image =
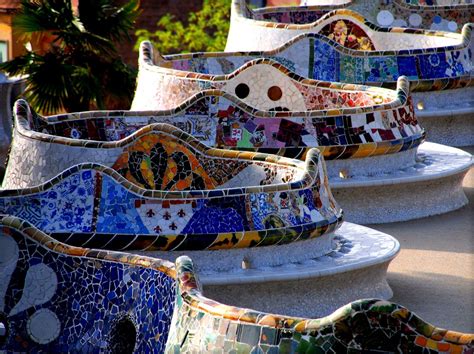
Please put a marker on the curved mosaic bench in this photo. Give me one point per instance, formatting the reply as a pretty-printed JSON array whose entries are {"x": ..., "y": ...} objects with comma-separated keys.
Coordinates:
[
  {"x": 342, "y": 120},
  {"x": 435, "y": 15},
  {"x": 249, "y": 33},
  {"x": 434, "y": 173},
  {"x": 204, "y": 325},
  {"x": 201, "y": 199},
  {"x": 59, "y": 298},
  {"x": 62, "y": 141},
  {"x": 343, "y": 46}
]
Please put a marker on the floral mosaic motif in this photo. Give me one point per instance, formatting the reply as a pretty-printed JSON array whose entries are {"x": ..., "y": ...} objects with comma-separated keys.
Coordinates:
[
  {"x": 156, "y": 162},
  {"x": 200, "y": 198},
  {"x": 57, "y": 298},
  {"x": 204, "y": 325},
  {"x": 444, "y": 15},
  {"x": 348, "y": 34},
  {"x": 67, "y": 207}
]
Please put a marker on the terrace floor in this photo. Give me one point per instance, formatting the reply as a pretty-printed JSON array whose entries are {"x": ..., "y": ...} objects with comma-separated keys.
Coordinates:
[{"x": 433, "y": 275}]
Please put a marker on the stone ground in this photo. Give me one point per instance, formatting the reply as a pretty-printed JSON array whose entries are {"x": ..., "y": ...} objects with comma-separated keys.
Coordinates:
[{"x": 433, "y": 275}]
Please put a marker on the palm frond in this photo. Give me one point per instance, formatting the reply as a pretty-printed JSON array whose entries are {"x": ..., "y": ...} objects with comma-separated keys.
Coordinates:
[
  {"x": 120, "y": 81},
  {"x": 18, "y": 65},
  {"x": 43, "y": 15},
  {"x": 48, "y": 82},
  {"x": 81, "y": 69},
  {"x": 108, "y": 20},
  {"x": 86, "y": 41}
]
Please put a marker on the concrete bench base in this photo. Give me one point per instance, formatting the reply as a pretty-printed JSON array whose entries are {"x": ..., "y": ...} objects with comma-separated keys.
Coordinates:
[
  {"x": 453, "y": 127},
  {"x": 447, "y": 116},
  {"x": 356, "y": 268},
  {"x": 432, "y": 186}
]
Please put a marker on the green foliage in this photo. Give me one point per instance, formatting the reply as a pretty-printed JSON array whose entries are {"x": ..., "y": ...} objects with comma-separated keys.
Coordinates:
[
  {"x": 81, "y": 70},
  {"x": 206, "y": 30}
]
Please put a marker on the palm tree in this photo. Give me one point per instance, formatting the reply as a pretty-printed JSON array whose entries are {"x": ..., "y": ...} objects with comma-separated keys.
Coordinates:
[{"x": 81, "y": 70}]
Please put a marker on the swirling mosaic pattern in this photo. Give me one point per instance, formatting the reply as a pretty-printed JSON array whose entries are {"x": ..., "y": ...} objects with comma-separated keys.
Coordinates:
[
  {"x": 203, "y": 325},
  {"x": 57, "y": 298},
  {"x": 167, "y": 191}
]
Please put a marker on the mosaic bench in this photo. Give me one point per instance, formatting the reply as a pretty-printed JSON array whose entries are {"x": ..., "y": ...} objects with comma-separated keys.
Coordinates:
[
  {"x": 59, "y": 298},
  {"x": 343, "y": 120},
  {"x": 167, "y": 191},
  {"x": 343, "y": 46},
  {"x": 436, "y": 15},
  {"x": 204, "y": 325},
  {"x": 214, "y": 205},
  {"x": 357, "y": 170},
  {"x": 350, "y": 124}
]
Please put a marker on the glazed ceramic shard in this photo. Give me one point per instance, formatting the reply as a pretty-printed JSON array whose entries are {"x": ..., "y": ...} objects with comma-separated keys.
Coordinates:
[
  {"x": 201, "y": 324},
  {"x": 82, "y": 300},
  {"x": 449, "y": 15},
  {"x": 167, "y": 191}
]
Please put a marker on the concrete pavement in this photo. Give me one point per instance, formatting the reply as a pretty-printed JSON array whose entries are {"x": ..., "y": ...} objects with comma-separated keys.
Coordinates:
[{"x": 433, "y": 275}]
